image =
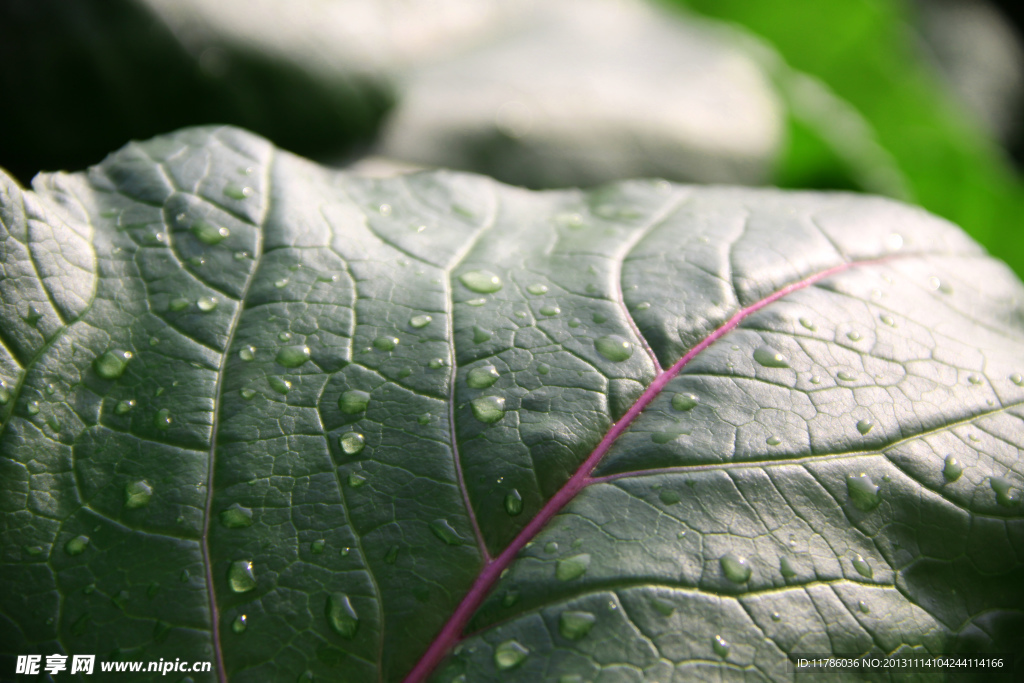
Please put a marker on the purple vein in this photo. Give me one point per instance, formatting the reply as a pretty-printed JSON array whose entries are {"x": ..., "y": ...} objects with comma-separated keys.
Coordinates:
[{"x": 451, "y": 633}]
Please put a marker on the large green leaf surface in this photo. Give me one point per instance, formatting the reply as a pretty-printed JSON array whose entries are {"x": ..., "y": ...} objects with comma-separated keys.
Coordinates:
[{"x": 350, "y": 401}]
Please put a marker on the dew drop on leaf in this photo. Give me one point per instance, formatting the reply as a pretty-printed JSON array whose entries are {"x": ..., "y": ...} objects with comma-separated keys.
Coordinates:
[
  {"x": 720, "y": 646},
  {"x": 684, "y": 402},
  {"x": 241, "y": 578},
  {"x": 668, "y": 496},
  {"x": 280, "y": 385},
  {"x": 207, "y": 233},
  {"x": 1017, "y": 379},
  {"x": 124, "y": 407},
  {"x": 247, "y": 353},
  {"x": 240, "y": 624},
  {"x": 206, "y": 304},
  {"x": 236, "y": 192},
  {"x": 575, "y": 625},
  {"x": 863, "y": 491},
  {"x": 444, "y": 531},
  {"x": 888, "y": 320},
  {"x": 293, "y": 356},
  {"x": 112, "y": 364},
  {"x": 77, "y": 545},
  {"x": 236, "y": 517},
  {"x": 341, "y": 615},
  {"x": 776, "y": 616},
  {"x": 599, "y": 318},
  {"x": 356, "y": 480},
  {"x": 247, "y": 394},
  {"x": 137, "y": 494},
  {"x": 513, "y": 502},
  {"x": 317, "y": 546},
  {"x": 32, "y": 408},
  {"x": 853, "y": 336},
  {"x": 543, "y": 369},
  {"x": 862, "y": 566},
  {"x": 770, "y": 358},
  {"x": 952, "y": 469},
  {"x": 614, "y": 348},
  {"x": 863, "y": 607},
  {"x": 551, "y": 547},
  {"x": 163, "y": 420},
  {"x": 384, "y": 343},
  {"x": 354, "y": 401},
  {"x": 480, "y": 335},
  {"x": 509, "y": 655},
  {"x": 178, "y": 304},
  {"x": 865, "y": 426},
  {"x": 1006, "y": 495},
  {"x": 786, "y": 568},
  {"x": 488, "y": 409},
  {"x": 481, "y": 281},
  {"x": 284, "y": 335},
  {"x": 436, "y": 363},
  {"x": 419, "y": 321},
  {"x": 352, "y": 443},
  {"x": 573, "y": 567},
  {"x": 735, "y": 567},
  {"x": 809, "y": 324},
  {"x": 550, "y": 310},
  {"x": 482, "y": 377},
  {"x": 663, "y": 606},
  {"x": 773, "y": 441},
  {"x": 846, "y": 376}
]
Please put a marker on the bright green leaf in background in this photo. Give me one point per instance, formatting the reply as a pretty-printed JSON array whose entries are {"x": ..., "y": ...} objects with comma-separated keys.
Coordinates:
[{"x": 289, "y": 419}]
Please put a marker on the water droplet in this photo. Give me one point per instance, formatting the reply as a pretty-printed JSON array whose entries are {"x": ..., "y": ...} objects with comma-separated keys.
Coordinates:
[
  {"x": 685, "y": 402},
  {"x": 614, "y": 348},
  {"x": 770, "y": 358},
  {"x": 952, "y": 469},
  {"x": 162, "y": 420},
  {"x": 248, "y": 353},
  {"x": 776, "y": 616},
  {"x": 550, "y": 310},
  {"x": 281, "y": 283},
  {"x": 281, "y": 386},
  {"x": 974, "y": 379},
  {"x": 5, "y": 395},
  {"x": 236, "y": 517},
  {"x": 208, "y": 233},
  {"x": 643, "y": 306},
  {"x": 662, "y": 606},
  {"x": 551, "y": 547},
  {"x": 513, "y": 502},
  {"x": 112, "y": 364},
  {"x": 481, "y": 301},
  {"x": 668, "y": 496},
  {"x": 240, "y": 624},
  {"x": 481, "y": 281},
  {"x": 862, "y": 566},
  {"x": 317, "y": 547},
  {"x": 383, "y": 343},
  {"x": 1006, "y": 495},
  {"x": 392, "y": 555},
  {"x": 32, "y": 408},
  {"x": 482, "y": 377},
  {"x": 510, "y": 654},
  {"x": 865, "y": 426},
  {"x": 436, "y": 363},
  {"x": 863, "y": 491},
  {"x": 488, "y": 409},
  {"x": 720, "y": 646},
  {"x": 352, "y": 443},
  {"x": 863, "y": 607},
  {"x": 241, "y": 577},
  {"x": 241, "y": 255},
  {"x": 137, "y": 494},
  {"x": 480, "y": 335},
  {"x": 735, "y": 567},
  {"x": 773, "y": 441},
  {"x": 32, "y": 316},
  {"x": 293, "y": 356},
  {"x": 341, "y": 615},
  {"x": 806, "y": 322},
  {"x": 77, "y": 545},
  {"x": 33, "y": 550},
  {"x": 888, "y": 320},
  {"x": 184, "y": 576},
  {"x": 207, "y": 303},
  {"x": 124, "y": 407},
  {"x": 444, "y": 531},
  {"x": 356, "y": 480},
  {"x": 284, "y": 336},
  {"x": 575, "y": 625},
  {"x": 510, "y": 598},
  {"x": 179, "y": 304},
  {"x": 572, "y": 567},
  {"x": 247, "y": 394},
  {"x": 236, "y": 192},
  {"x": 353, "y": 401},
  {"x": 599, "y": 318},
  {"x": 384, "y": 209},
  {"x": 854, "y": 335},
  {"x": 419, "y": 321},
  {"x": 786, "y": 568},
  {"x": 846, "y": 376},
  {"x": 537, "y": 289},
  {"x": 543, "y": 369}
]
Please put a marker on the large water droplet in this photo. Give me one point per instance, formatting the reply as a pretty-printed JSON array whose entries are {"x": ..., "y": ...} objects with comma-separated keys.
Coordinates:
[
  {"x": 481, "y": 281},
  {"x": 482, "y": 377},
  {"x": 770, "y": 358},
  {"x": 353, "y": 401},
  {"x": 864, "y": 426},
  {"x": 863, "y": 491},
  {"x": 735, "y": 567},
  {"x": 384, "y": 343},
  {"x": 341, "y": 615},
  {"x": 247, "y": 353},
  {"x": 279, "y": 384},
  {"x": 240, "y": 576},
  {"x": 550, "y": 310},
  {"x": 419, "y": 321},
  {"x": 77, "y": 545},
  {"x": 488, "y": 409},
  {"x": 952, "y": 469},
  {"x": 685, "y": 401},
  {"x": 1006, "y": 495},
  {"x": 352, "y": 442},
  {"x": 240, "y": 623},
  {"x": 537, "y": 289},
  {"x": 112, "y": 364},
  {"x": 575, "y": 625},
  {"x": 513, "y": 502},
  {"x": 614, "y": 348},
  {"x": 293, "y": 356},
  {"x": 163, "y": 420},
  {"x": 480, "y": 335},
  {"x": 444, "y": 531},
  {"x": 236, "y": 517},
  {"x": 207, "y": 303},
  {"x": 208, "y": 233},
  {"x": 510, "y": 654},
  {"x": 862, "y": 566},
  {"x": 1017, "y": 379},
  {"x": 720, "y": 646},
  {"x": 137, "y": 494},
  {"x": 573, "y": 567},
  {"x": 773, "y": 440}
]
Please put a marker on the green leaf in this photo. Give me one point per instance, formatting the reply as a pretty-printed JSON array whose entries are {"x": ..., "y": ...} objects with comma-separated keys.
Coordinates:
[{"x": 667, "y": 430}]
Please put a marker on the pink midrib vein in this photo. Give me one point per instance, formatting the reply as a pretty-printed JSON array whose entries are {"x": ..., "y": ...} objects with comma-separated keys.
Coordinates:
[{"x": 451, "y": 633}]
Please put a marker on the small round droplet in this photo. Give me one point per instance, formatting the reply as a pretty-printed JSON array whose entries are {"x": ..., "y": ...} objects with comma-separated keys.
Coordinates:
[
  {"x": 575, "y": 625},
  {"x": 240, "y": 624},
  {"x": 643, "y": 305},
  {"x": 5, "y": 395},
  {"x": 137, "y": 494},
  {"x": 573, "y": 567},
  {"x": 384, "y": 210},
  {"x": 550, "y": 310},
  {"x": 480, "y": 335},
  {"x": 662, "y": 606},
  {"x": 247, "y": 394},
  {"x": 236, "y": 516},
  {"x": 281, "y": 283},
  {"x": 776, "y": 616},
  {"x": 384, "y": 343},
  {"x": 419, "y": 321},
  {"x": 352, "y": 443},
  {"x": 317, "y": 546},
  {"x": 236, "y": 192},
  {"x": 537, "y": 289},
  {"x": 342, "y": 616},
  {"x": 482, "y": 376},
  {"x": 854, "y": 335},
  {"x": 207, "y": 304},
  {"x": 846, "y": 376},
  {"x": 208, "y": 233},
  {"x": 112, "y": 364},
  {"x": 770, "y": 358},
  {"x": 32, "y": 408},
  {"x": 786, "y": 567},
  {"x": 179, "y": 304},
  {"x": 863, "y": 491},
  {"x": 280, "y": 385},
  {"x": 488, "y": 409},
  {"x": 599, "y": 318},
  {"x": 773, "y": 440},
  {"x": 807, "y": 323},
  {"x": 444, "y": 531},
  {"x": 952, "y": 469},
  {"x": 735, "y": 567},
  {"x": 543, "y": 369},
  {"x": 888, "y": 320},
  {"x": 863, "y": 607},
  {"x": 1006, "y": 495},
  {"x": 354, "y": 401},
  {"x": 974, "y": 378},
  {"x": 614, "y": 348},
  {"x": 684, "y": 402},
  {"x": 481, "y": 281},
  {"x": 551, "y": 547},
  {"x": 864, "y": 426},
  {"x": 510, "y": 654},
  {"x": 481, "y": 301},
  {"x": 284, "y": 335},
  {"x": 293, "y": 356},
  {"x": 669, "y": 496},
  {"x": 1017, "y": 379},
  {"x": 423, "y": 419},
  {"x": 163, "y": 420},
  {"x": 720, "y": 646},
  {"x": 513, "y": 502},
  {"x": 247, "y": 353},
  {"x": 241, "y": 578},
  {"x": 862, "y": 566},
  {"x": 77, "y": 545},
  {"x": 124, "y": 407},
  {"x": 436, "y": 363}
]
